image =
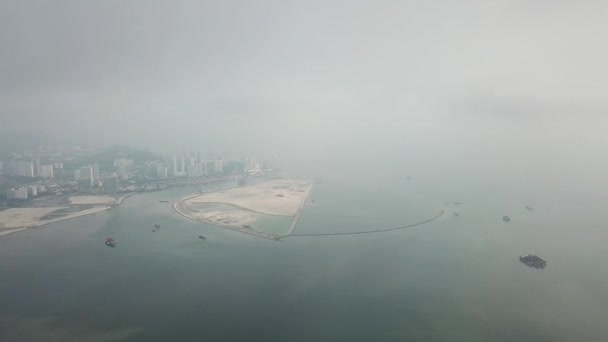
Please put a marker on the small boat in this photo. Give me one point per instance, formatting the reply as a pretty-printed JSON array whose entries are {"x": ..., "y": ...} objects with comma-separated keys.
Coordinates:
[
  {"x": 164, "y": 201},
  {"x": 456, "y": 214},
  {"x": 506, "y": 218},
  {"x": 529, "y": 208},
  {"x": 110, "y": 242},
  {"x": 154, "y": 230},
  {"x": 202, "y": 237},
  {"x": 157, "y": 225}
]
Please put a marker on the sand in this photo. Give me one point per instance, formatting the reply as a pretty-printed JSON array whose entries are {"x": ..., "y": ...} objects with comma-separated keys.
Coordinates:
[
  {"x": 279, "y": 197},
  {"x": 16, "y": 219},
  {"x": 93, "y": 200},
  {"x": 240, "y": 208},
  {"x": 24, "y": 217}
]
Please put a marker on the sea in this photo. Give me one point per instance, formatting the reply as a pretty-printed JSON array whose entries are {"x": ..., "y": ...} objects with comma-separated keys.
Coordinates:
[{"x": 457, "y": 278}]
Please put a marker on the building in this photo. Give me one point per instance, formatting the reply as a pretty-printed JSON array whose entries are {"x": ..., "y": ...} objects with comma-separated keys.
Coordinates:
[
  {"x": 17, "y": 194},
  {"x": 201, "y": 169},
  {"x": 96, "y": 171},
  {"x": 162, "y": 172},
  {"x": 1, "y": 168},
  {"x": 218, "y": 166},
  {"x": 121, "y": 168},
  {"x": 20, "y": 168},
  {"x": 85, "y": 185},
  {"x": 191, "y": 170},
  {"x": 210, "y": 167},
  {"x": 268, "y": 164},
  {"x": 110, "y": 184},
  {"x": 36, "y": 167},
  {"x": 32, "y": 190},
  {"x": 46, "y": 171}
]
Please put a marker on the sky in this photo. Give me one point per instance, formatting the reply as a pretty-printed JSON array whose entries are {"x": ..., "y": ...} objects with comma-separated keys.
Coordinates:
[{"x": 309, "y": 78}]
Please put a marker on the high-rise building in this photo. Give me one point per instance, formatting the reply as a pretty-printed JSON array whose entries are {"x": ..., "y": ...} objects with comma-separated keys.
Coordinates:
[
  {"x": 95, "y": 171},
  {"x": 110, "y": 184},
  {"x": 1, "y": 168},
  {"x": 162, "y": 172},
  {"x": 191, "y": 170},
  {"x": 37, "y": 167},
  {"x": 20, "y": 168},
  {"x": 210, "y": 167},
  {"x": 268, "y": 164},
  {"x": 85, "y": 185},
  {"x": 219, "y": 166},
  {"x": 121, "y": 168},
  {"x": 87, "y": 172},
  {"x": 17, "y": 194},
  {"x": 46, "y": 171},
  {"x": 32, "y": 190},
  {"x": 201, "y": 169}
]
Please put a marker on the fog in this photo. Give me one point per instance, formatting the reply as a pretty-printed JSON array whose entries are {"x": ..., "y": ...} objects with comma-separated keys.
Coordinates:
[{"x": 324, "y": 79}]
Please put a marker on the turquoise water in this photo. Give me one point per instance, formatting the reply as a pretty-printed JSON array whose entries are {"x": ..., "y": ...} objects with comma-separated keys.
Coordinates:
[{"x": 455, "y": 279}]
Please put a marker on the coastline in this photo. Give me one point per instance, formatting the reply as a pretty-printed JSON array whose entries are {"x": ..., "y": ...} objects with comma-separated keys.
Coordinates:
[{"x": 85, "y": 212}]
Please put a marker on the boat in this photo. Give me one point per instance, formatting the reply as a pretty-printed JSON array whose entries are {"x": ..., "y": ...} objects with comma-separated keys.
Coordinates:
[
  {"x": 202, "y": 237},
  {"x": 110, "y": 242},
  {"x": 533, "y": 261},
  {"x": 529, "y": 208},
  {"x": 157, "y": 225},
  {"x": 456, "y": 214},
  {"x": 164, "y": 201},
  {"x": 506, "y": 218}
]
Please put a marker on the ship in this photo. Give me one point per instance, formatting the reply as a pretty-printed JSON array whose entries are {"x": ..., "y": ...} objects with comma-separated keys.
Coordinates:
[
  {"x": 529, "y": 208},
  {"x": 110, "y": 242},
  {"x": 506, "y": 218},
  {"x": 533, "y": 261},
  {"x": 164, "y": 201},
  {"x": 157, "y": 225},
  {"x": 202, "y": 237}
]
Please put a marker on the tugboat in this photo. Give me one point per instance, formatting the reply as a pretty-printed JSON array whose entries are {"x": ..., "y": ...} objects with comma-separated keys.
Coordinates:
[
  {"x": 506, "y": 218},
  {"x": 202, "y": 237},
  {"x": 533, "y": 261},
  {"x": 110, "y": 242}
]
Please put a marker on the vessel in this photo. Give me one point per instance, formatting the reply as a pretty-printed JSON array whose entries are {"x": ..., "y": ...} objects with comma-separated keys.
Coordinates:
[
  {"x": 202, "y": 237},
  {"x": 533, "y": 261},
  {"x": 110, "y": 242},
  {"x": 506, "y": 218}
]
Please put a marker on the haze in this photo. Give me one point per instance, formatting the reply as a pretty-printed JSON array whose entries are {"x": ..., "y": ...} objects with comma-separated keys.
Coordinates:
[{"x": 308, "y": 78}]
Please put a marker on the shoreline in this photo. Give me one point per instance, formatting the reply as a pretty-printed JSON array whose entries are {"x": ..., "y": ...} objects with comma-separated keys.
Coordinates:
[{"x": 85, "y": 212}]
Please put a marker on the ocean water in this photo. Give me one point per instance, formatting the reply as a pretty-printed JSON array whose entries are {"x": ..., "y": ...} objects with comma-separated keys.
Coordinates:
[{"x": 453, "y": 279}]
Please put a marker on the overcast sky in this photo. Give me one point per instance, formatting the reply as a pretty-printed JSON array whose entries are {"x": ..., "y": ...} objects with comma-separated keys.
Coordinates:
[{"x": 310, "y": 77}]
